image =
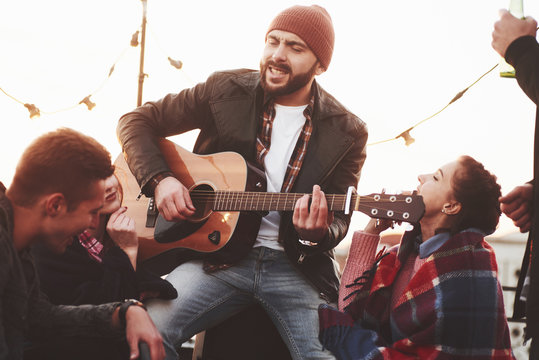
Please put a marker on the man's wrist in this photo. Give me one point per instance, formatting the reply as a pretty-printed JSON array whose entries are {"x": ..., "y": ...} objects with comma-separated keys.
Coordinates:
[
  {"x": 518, "y": 47},
  {"x": 124, "y": 306},
  {"x": 155, "y": 180}
]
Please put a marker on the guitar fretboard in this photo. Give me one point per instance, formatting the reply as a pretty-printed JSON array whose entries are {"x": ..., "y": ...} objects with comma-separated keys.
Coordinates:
[
  {"x": 387, "y": 206},
  {"x": 254, "y": 201}
]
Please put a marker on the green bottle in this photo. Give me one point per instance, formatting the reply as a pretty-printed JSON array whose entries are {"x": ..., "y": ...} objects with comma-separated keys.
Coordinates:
[{"x": 517, "y": 10}]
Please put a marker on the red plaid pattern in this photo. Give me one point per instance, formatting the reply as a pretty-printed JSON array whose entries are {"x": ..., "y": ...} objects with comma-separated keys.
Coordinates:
[
  {"x": 92, "y": 245},
  {"x": 263, "y": 143}
]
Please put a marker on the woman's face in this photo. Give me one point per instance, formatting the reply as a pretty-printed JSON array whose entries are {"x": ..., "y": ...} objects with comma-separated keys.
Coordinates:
[
  {"x": 436, "y": 187},
  {"x": 112, "y": 195}
]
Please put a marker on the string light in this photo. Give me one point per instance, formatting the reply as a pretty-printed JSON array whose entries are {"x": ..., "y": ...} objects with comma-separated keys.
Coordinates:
[
  {"x": 36, "y": 112},
  {"x": 134, "y": 42},
  {"x": 134, "y": 39},
  {"x": 408, "y": 139},
  {"x": 86, "y": 101},
  {"x": 33, "y": 110},
  {"x": 176, "y": 63},
  {"x": 405, "y": 135}
]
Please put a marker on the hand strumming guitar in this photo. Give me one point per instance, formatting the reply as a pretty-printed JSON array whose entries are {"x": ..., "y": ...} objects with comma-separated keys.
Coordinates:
[
  {"x": 172, "y": 199},
  {"x": 312, "y": 224}
]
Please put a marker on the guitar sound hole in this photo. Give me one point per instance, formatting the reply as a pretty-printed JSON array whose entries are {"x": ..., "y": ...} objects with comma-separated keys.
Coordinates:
[{"x": 202, "y": 197}]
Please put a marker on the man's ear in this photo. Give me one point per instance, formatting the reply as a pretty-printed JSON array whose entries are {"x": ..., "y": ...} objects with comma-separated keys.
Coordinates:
[
  {"x": 319, "y": 69},
  {"x": 55, "y": 204},
  {"x": 452, "y": 208}
]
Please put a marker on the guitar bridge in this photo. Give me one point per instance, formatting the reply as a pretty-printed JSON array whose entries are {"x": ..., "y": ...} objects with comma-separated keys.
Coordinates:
[{"x": 151, "y": 214}]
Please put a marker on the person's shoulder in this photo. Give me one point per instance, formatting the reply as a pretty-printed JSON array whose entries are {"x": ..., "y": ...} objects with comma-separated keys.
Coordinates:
[
  {"x": 5, "y": 218},
  {"x": 332, "y": 107},
  {"x": 241, "y": 75},
  {"x": 228, "y": 84},
  {"x": 6, "y": 241}
]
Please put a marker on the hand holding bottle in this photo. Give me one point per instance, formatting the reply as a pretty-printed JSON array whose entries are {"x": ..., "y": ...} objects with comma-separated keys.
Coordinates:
[{"x": 510, "y": 28}]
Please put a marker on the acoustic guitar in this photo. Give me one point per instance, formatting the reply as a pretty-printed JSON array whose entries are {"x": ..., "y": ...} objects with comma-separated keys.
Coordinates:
[{"x": 230, "y": 200}]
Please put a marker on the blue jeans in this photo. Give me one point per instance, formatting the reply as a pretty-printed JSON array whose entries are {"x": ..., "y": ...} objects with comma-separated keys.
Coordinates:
[{"x": 266, "y": 277}]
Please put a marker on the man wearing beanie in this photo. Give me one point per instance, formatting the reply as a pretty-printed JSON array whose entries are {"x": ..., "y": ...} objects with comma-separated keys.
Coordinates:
[{"x": 283, "y": 122}]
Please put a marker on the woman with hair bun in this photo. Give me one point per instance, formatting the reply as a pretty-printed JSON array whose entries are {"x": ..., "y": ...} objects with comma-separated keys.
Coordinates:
[{"x": 436, "y": 295}]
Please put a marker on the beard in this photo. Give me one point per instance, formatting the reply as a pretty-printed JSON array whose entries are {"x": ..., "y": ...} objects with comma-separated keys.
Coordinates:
[{"x": 294, "y": 83}]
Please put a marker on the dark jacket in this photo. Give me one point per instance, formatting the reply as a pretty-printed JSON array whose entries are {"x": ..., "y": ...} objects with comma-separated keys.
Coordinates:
[
  {"x": 227, "y": 109},
  {"x": 24, "y": 310},
  {"x": 523, "y": 54},
  {"x": 73, "y": 278}
]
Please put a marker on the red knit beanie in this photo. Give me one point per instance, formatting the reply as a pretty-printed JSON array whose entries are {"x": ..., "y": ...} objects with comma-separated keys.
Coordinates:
[{"x": 313, "y": 25}]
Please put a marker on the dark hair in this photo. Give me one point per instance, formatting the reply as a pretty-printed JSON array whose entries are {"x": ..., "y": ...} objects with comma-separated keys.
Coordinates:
[
  {"x": 478, "y": 192},
  {"x": 63, "y": 161}
]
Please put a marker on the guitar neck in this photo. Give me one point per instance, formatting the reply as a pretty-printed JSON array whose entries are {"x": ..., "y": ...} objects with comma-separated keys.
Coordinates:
[
  {"x": 256, "y": 201},
  {"x": 400, "y": 207}
]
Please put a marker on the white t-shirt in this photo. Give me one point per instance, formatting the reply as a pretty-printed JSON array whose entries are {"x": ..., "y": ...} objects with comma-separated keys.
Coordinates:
[{"x": 287, "y": 126}]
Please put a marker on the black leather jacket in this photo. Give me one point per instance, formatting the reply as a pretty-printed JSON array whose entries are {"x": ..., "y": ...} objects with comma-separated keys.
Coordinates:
[{"x": 227, "y": 109}]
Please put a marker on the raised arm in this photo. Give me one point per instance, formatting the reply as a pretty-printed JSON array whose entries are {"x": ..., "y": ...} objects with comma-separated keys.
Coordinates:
[
  {"x": 361, "y": 257},
  {"x": 140, "y": 129},
  {"x": 515, "y": 39}
]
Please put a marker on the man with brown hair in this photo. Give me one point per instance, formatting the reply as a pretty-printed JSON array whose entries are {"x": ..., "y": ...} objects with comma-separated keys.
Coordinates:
[
  {"x": 56, "y": 193},
  {"x": 305, "y": 140}
]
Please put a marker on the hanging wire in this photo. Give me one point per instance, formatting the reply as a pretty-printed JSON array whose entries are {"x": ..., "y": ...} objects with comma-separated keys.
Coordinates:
[
  {"x": 173, "y": 62},
  {"x": 36, "y": 112},
  {"x": 12, "y": 97},
  {"x": 32, "y": 109},
  {"x": 408, "y": 139}
]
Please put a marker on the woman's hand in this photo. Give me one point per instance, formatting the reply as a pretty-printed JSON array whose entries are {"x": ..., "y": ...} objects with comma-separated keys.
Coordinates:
[
  {"x": 377, "y": 226},
  {"x": 121, "y": 229}
]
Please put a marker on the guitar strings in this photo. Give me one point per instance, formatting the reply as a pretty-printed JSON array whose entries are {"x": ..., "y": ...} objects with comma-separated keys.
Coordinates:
[
  {"x": 236, "y": 192},
  {"x": 212, "y": 195},
  {"x": 281, "y": 200}
]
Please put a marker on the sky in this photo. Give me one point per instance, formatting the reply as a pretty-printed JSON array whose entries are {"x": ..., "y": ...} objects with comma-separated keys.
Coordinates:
[{"x": 395, "y": 63}]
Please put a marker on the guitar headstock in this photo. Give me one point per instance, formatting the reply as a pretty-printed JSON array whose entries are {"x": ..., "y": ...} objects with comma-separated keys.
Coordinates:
[{"x": 398, "y": 207}]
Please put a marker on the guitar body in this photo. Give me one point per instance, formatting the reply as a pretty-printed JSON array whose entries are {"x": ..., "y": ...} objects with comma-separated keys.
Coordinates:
[{"x": 225, "y": 235}]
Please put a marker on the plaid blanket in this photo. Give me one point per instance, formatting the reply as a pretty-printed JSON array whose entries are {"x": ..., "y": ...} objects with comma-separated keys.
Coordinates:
[{"x": 451, "y": 309}]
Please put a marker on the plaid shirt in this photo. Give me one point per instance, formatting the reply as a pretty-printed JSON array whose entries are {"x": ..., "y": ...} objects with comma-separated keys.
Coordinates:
[
  {"x": 451, "y": 309},
  {"x": 92, "y": 245},
  {"x": 263, "y": 142}
]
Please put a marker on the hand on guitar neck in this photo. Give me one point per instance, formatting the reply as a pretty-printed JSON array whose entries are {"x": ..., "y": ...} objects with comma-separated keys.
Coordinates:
[
  {"x": 173, "y": 200},
  {"x": 312, "y": 223}
]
